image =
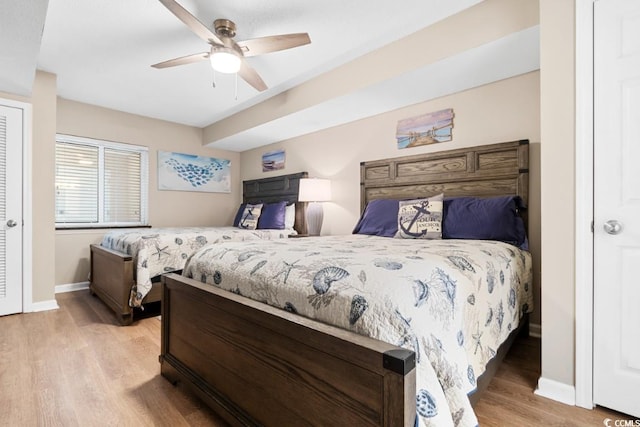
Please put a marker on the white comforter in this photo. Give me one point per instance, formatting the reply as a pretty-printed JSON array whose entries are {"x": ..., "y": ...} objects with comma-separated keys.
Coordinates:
[{"x": 157, "y": 251}]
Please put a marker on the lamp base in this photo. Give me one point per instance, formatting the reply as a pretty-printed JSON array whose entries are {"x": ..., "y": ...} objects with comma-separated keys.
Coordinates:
[{"x": 315, "y": 215}]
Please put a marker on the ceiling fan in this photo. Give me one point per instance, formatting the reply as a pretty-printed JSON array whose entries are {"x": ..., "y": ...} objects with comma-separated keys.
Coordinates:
[{"x": 227, "y": 55}]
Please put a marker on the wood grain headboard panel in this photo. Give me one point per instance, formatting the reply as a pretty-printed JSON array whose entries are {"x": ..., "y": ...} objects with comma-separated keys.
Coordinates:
[
  {"x": 276, "y": 189},
  {"x": 483, "y": 171}
]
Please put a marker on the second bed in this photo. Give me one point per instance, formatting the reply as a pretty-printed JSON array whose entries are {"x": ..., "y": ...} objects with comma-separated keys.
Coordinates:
[{"x": 127, "y": 266}]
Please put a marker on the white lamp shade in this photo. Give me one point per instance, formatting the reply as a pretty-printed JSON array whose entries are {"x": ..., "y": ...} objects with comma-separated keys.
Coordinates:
[
  {"x": 224, "y": 59},
  {"x": 314, "y": 190}
]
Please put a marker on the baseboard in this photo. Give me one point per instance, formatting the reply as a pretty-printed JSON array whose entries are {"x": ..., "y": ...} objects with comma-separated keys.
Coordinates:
[
  {"x": 557, "y": 391},
  {"x": 535, "y": 330},
  {"x": 72, "y": 287},
  {"x": 43, "y": 306}
]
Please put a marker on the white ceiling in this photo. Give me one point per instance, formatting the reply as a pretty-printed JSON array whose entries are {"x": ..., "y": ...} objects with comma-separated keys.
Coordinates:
[
  {"x": 21, "y": 24},
  {"x": 101, "y": 52}
]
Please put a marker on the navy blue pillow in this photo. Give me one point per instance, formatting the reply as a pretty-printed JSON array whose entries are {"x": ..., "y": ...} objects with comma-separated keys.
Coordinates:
[
  {"x": 236, "y": 221},
  {"x": 493, "y": 218},
  {"x": 272, "y": 216},
  {"x": 380, "y": 218}
]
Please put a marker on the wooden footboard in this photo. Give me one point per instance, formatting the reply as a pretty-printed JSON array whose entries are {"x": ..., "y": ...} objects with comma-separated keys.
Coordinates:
[
  {"x": 112, "y": 276},
  {"x": 258, "y": 365},
  {"x": 111, "y": 280}
]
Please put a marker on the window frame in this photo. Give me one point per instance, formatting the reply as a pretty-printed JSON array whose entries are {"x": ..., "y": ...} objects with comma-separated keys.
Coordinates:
[{"x": 144, "y": 182}]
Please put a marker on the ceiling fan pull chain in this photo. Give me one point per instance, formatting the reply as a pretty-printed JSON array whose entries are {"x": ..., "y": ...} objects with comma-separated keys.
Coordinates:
[
  {"x": 214, "y": 79},
  {"x": 236, "y": 92}
]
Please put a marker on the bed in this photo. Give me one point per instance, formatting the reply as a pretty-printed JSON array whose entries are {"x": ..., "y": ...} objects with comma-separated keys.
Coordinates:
[
  {"x": 127, "y": 265},
  {"x": 261, "y": 364}
]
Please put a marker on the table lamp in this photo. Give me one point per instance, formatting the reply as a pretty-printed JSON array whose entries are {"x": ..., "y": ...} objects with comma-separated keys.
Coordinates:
[{"x": 315, "y": 191}]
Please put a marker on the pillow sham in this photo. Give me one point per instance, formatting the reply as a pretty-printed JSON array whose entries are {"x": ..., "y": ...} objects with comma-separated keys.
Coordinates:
[
  {"x": 380, "y": 218},
  {"x": 493, "y": 218},
  {"x": 250, "y": 216},
  {"x": 272, "y": 216},
  {"x": 290, "y": 216},
  {"x": 236, "y": 220},
  {"x": 420, "y": 218}
]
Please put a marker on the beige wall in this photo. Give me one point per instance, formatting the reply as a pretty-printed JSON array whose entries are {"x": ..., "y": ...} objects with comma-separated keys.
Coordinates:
[
  {"x": 43, "y": 101},
  {"x": 504, "y": 111},
  {"x": 5, "y": 95},
  {"x": 43, "y": 129},
  {"x": 166, "y": 208},
  {"x": 557, "y": 121}
]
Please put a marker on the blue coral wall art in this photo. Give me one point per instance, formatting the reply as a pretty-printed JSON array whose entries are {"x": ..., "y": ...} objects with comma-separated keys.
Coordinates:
[{"x": 187, "y": 172}]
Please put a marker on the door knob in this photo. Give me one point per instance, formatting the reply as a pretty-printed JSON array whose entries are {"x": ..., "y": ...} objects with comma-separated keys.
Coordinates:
[
  {"x": 612, "y": 227},
  {"x": 11, "y": 223}
]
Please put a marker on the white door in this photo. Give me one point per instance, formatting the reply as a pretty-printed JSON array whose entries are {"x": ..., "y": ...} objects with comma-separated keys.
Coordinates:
[
  {"x": 617, "y": 205},
  {"x": 11, "y": 142}
]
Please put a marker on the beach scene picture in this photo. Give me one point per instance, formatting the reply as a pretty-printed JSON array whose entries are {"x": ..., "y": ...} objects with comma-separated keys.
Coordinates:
[
  {"x": 188, "y": 172},
  {"x": 425, "y": 129},
  {"x": 273, "y": 161}
]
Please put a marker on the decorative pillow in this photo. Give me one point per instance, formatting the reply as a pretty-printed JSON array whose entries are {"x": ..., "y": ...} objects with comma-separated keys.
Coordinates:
[
  {"x": 250, "y": 215},
  {"x": 236, "y": 220},
  {"x": 493, "y": 218},
  {"x": 290, "y": 216},
  {"x": 272, "y": 216},
  {"x": 380, "y": 218},
  {"x": 420, "y": 218}
]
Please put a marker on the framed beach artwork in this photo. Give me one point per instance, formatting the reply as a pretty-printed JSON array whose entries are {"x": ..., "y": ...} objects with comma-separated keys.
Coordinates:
[
  {"x": 273, "y": 161},
  {"x": 425, "y": 129},
  {"x": 187, "y": 172}
]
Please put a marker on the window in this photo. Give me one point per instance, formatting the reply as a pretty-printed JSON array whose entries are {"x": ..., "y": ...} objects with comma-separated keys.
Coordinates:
[{"x": 100, "y": 183}]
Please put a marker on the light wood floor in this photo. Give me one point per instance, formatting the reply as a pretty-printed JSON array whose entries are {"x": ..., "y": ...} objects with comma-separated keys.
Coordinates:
[{"x": 76, "y": 367}]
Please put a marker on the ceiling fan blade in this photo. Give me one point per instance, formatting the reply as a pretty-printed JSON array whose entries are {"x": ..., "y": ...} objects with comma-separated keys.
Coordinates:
[
  {"x": 251, "y": 76},
  {"x": 191, "y": 21},
  {"x": 269, "y": 44},
  {"x": 189, "y": 59}
]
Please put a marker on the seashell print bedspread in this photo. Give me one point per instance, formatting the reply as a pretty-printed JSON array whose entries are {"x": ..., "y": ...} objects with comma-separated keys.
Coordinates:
[
  {"x": 157, "y": 251},
  {"x": 451, "y": 301}
]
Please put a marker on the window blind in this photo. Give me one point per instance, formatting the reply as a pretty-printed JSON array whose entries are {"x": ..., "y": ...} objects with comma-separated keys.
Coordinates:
[
  {"x": 100, "y": 183},
  {"x": 76, "y": 183},
  {"x": 122, "y": 184}
]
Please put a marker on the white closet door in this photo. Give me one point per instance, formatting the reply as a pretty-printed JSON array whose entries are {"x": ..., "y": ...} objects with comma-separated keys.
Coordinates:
[
  {"x": 11, "y": 142},
  {"x": 617, "y": 205}
]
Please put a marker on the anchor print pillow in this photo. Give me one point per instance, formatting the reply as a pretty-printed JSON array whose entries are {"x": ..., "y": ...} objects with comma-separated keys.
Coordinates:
[
  {"x": 249, "y": 218},
  {"x": 420, "y": 218},
  {"x": 239, "y": 212}
]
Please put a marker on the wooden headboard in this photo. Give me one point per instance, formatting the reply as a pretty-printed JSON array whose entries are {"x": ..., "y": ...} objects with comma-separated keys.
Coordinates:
[
  {"x": 276, "y": 189},
  {"x": 482, "y": 171}
]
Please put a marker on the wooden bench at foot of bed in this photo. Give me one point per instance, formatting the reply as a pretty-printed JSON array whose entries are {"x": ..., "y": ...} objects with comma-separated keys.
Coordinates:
[
  {"x": 259, "y": 365},
  {"x": 112, "y": 276}
]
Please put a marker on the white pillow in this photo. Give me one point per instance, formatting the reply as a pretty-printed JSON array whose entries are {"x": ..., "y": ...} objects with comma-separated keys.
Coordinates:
[{"x": 289, "y": 216}]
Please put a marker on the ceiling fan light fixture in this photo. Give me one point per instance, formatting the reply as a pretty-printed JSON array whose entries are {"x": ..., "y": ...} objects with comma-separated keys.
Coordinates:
[{"x": 224, "y": 60}]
